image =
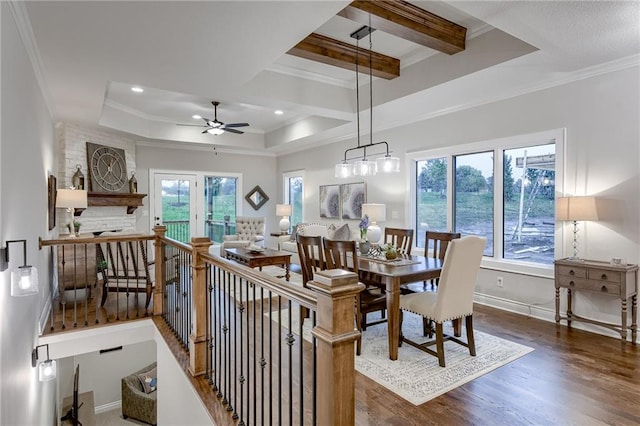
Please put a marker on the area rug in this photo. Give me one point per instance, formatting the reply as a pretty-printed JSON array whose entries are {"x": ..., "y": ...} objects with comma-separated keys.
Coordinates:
[{"x": 416, "y": 375}]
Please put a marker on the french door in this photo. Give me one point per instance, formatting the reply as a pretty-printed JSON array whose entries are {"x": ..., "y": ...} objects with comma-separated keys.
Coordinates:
[{"x": 175, "y": 205}]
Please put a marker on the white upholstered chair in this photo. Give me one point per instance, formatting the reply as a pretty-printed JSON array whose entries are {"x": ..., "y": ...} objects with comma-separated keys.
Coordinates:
[
  {"x": 249, "y": 230},
  {"x": 454, "y": 298}
]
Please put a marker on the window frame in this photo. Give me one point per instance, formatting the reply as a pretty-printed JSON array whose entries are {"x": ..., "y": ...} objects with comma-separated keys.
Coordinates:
[
  {"x": 286, "y": 177},
  {"x": 497, "y": 146}
]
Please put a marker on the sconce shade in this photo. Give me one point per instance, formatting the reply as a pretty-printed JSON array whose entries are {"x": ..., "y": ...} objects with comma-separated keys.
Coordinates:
[
  {"x": 576, "y": 208},
  {"x": 283, "y": 209},
  {"x": 364, "y": 167},
  {"x": 343, "y": 170},
  {"x": 376, "y": 212},
  {"x": 24, "y": 281},
  {"x": 71, "y": 198},
  {"x": 47, "y": 370}
]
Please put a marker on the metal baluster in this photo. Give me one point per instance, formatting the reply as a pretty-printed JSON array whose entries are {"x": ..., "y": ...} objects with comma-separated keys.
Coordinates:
[
  {"x": 234, "y": 330},
  {"x": 263, "y": 363},
  {"x": 75, "y": 285},
  {"x": 270, "y": 357},
  {"x": 87, "y": 287},
  {"x": 279, "y": 360},
  {"x": 314, "y": 369},
  {"x": 300, "y": 326},
  {"x": 225, "y": 330},
  {"x": 207, "y": 325},
  {"x": 290, "y": 342}
]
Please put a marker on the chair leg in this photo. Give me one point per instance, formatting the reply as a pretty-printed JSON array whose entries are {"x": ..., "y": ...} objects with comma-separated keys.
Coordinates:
[
  {"x": 457, "y": 327},
  {"x": 470, "y": 338},
  {"x": 426, "y": 327},
  {"x": 400, "y": 327},
  {"x": 440, "y": 343}
]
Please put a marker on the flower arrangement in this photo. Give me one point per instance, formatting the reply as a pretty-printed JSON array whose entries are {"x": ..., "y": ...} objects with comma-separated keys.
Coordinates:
[
  {"x": 74, "y": 227},
  {"x": 364, "y": 226}
]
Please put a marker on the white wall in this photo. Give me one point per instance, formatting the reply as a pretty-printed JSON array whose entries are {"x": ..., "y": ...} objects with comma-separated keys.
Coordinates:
[
  {"x": 602, "y": 159},
  {"x": 27, "y": 157}
]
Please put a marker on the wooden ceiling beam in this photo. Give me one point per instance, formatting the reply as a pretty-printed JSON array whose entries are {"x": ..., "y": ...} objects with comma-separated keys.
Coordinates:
[
  {"x": 409, "y": 22},
  {"x": 330, "y": 51}
]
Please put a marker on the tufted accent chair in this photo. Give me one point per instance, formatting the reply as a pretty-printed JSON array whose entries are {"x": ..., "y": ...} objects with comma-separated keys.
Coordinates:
[{"x": 249, "y": 230}]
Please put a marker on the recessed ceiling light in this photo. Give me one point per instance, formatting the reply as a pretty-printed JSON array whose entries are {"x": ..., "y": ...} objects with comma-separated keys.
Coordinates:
[
  {"x": 196, "y": 117},
  {"x": 278, "y": 112},
  {"x": 137, "y": 89}
]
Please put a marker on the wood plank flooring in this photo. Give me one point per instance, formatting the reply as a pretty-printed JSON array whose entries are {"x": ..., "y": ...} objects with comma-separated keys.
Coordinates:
[{"x": 571, "y": 378}]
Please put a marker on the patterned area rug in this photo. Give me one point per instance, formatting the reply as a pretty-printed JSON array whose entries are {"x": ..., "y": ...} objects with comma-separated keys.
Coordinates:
[{"x": 416, "y": 375}]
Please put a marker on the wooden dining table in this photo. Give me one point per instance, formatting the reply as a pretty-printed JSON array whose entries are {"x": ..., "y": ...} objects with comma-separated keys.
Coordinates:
[{"x": 408, "y": 269}]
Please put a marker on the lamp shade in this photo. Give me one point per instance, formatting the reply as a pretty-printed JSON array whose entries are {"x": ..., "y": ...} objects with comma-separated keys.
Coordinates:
[
  {"x": 71, "y": 198},
  {"x": 376, "y": 212},
  {"x": 576, "y": 208},
  {"x": 388, "y": 164},
  {"x": 47, "y": 370},
  {"x": 283, "y": 209}
]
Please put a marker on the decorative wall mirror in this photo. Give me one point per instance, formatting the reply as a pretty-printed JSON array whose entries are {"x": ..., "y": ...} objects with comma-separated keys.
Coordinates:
[{"x": 256, "y": 197}]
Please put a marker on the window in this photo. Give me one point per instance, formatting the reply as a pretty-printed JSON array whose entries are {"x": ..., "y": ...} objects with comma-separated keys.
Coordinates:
[
  {"x": 294, "y": 194},
  {"x": 503, "y": 190}
]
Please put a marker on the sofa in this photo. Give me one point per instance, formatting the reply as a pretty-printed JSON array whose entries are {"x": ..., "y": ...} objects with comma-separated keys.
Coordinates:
[
  {"x": 334, "y": 231},
  {"x": 138, "y": 403}
]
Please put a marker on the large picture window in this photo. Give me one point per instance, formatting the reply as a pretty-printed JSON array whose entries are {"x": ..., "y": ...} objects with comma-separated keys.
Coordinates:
[{"x": 503, "y": 190}]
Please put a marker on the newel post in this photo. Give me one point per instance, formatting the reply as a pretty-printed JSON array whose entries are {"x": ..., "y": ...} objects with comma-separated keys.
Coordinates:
[
  {"x": 335, "y": 333},
  {"x": 160, "y": 270},
  {"x": 197, "y": 338}
]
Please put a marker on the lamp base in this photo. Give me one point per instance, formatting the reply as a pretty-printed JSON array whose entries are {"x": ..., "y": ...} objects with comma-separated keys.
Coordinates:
[
  {"x": 374, "y": 233},
  {"x": 284, "y": 224}
]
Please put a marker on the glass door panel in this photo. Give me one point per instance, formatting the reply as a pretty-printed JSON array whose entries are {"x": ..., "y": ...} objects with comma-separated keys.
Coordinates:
[{"x": 175, "y": 205}]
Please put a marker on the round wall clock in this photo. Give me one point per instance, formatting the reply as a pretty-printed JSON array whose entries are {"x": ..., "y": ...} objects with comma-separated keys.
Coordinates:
[{"x": 107, "y": 168}]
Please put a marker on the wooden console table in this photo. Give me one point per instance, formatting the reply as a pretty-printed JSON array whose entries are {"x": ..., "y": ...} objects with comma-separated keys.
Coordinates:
[{"x": 620, "y": 281}]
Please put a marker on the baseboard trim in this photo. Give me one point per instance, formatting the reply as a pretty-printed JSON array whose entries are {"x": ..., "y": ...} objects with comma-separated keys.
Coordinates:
[
  {"x": 108, "y": 407},
  {"x": 538, "y": 312}
]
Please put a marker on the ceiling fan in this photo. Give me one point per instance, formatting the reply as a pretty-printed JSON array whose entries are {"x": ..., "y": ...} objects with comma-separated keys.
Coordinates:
[{"x": 216, "y": 127}]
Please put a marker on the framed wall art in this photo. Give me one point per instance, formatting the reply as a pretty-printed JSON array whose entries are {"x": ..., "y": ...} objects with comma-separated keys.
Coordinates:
[
  {"x": 52, "y": 192},
  {"x": 352, "y": 197},
  {"x": 330, "y": 201}
]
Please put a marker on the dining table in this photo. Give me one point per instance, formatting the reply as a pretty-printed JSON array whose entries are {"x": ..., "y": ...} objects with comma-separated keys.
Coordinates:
[{"x": 393, "y": 274}]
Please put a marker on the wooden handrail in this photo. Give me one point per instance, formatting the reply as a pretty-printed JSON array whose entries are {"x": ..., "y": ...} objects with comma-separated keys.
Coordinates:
[{"x": 97, "y": 240}]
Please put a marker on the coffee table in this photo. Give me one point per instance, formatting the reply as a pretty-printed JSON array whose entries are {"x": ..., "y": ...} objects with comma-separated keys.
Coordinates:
[{"x": 268, "y": 257}]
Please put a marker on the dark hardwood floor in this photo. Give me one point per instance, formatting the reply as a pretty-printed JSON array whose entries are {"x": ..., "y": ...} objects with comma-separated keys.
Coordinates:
[{"x": 571, "y": 378}]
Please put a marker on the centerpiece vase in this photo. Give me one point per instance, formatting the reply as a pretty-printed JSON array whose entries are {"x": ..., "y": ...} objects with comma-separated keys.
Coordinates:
[{"x": 365, "y": 246}]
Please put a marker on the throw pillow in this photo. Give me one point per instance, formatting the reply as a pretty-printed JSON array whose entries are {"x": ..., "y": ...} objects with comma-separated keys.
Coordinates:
[
  {"x": 294, "y": 233},
  {"x": 341, "y": 233},
  {"x": 149, "y": 380}
]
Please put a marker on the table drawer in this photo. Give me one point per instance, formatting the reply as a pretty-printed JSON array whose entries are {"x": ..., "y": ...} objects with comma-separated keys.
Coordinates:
[
  {"x": 589, "y": 285},
  {"x": 605, "y": 275},
  {"x": 571, "y": 271}
]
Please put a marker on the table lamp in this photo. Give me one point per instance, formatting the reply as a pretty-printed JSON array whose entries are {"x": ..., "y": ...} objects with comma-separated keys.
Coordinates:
[
  {"x": 71, "y": 199},
  {"x": 284, "y": 210},
  {"x": 575, "y": 209},
  {"x": 376, "y": 213}
]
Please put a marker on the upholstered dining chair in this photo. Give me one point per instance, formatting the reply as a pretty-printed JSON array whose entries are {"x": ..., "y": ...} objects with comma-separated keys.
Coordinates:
[
  {"x": 454, "y": 298},
  {"x": 399, "y": 237},
  {"x": 344, "y": 255},
  {"x": 249, "y": 230}
]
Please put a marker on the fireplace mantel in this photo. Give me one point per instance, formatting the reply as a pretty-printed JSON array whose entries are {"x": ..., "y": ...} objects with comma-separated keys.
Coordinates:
[{"x": 108, "y": 199}]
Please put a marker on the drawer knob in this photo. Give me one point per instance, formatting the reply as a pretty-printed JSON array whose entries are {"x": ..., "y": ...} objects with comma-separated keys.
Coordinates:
[
  {"x": 571, "y": 272},
  {"x": 603, "y": 277},
  {"x": 604, "y": 289},
  {"x": 571, "y": 283}
]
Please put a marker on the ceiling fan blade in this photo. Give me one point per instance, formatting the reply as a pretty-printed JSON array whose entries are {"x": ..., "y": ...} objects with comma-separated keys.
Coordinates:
[
  {"x": 192, "y": 125},
  {"x": 226, "y": 129},
  {"x": 236, "y": 125}
]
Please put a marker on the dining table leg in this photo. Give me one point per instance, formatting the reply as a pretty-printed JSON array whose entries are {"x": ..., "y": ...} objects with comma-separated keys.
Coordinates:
[{"x": 393, "y": 313}]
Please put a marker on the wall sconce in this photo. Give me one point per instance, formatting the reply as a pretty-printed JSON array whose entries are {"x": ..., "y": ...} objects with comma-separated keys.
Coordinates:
[
  {"x": 284, "y": 210},
  {"x": 24, "y": 279},
  {"x": 376, "y": 213},
  {"x": 47, "y": 369}
]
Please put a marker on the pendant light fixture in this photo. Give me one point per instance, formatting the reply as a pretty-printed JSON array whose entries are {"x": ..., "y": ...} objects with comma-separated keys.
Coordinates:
[{"x": 364, "y": 166}]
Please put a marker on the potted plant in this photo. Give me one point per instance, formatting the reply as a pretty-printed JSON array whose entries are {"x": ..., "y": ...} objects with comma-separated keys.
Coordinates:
[
  {"x": 76, "y": 227},
  {"x": 364, "y": 243},
  {"x": 390, "y": 251}
]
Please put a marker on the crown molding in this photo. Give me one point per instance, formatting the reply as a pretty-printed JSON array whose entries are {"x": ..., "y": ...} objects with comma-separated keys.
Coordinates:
[
  {"x": 196, "y": 146},
  {"x": 21, "y": 18},
  {"x": 307, "y": 75}
]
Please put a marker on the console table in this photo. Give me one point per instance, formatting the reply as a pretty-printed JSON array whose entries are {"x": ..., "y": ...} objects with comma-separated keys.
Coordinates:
[{"x": 594, "y": 276}]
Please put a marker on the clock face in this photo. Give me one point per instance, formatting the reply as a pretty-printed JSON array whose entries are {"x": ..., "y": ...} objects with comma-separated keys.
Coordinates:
[{"x": 108, "y": 168}]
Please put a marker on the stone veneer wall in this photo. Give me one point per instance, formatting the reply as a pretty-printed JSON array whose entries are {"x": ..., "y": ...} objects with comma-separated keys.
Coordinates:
[{"x": 72, "y": 145}]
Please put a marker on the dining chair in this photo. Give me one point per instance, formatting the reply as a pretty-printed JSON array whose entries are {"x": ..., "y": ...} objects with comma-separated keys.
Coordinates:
[
  {"x": 341, "y": 254},
  {"x": 311, "y": 255},
  {"x": 454, "y": 298},
  {"x": 401, "y": 238}
]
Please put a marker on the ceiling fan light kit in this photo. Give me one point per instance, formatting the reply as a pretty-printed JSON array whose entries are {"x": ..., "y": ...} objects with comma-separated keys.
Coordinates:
[
  {"x": 215, "y": 126},
  {"x": 365, "y": 166}
]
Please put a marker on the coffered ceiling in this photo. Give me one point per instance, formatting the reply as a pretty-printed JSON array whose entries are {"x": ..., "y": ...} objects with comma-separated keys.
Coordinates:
[{"x": 185, "y": 54}]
